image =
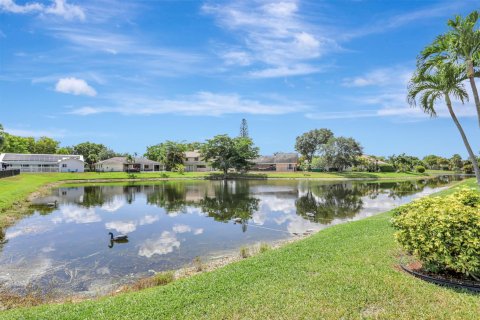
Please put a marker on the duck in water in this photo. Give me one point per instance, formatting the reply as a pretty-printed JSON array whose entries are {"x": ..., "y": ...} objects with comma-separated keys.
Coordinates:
[{"x": 121, "y": 238}]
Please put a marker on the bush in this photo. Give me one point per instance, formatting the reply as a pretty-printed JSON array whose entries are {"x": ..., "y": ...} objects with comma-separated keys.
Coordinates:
[
  {"x": 386, "y": 168},
  {"x": 468, "y": 169},
  {"x": 443, "y": 232},
  {"x": 420, "y": 169}
]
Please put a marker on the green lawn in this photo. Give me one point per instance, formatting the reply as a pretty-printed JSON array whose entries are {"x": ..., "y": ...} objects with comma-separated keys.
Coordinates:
[{"x": 347, "y": 271}]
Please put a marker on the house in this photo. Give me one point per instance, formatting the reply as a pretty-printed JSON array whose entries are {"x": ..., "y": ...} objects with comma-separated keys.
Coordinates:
[
  {"x": 119, "y": 164},
  {"x": 42, "y": 162},
  {"x": 282, "y": 162},
  {"x": 194, "y": 162}
]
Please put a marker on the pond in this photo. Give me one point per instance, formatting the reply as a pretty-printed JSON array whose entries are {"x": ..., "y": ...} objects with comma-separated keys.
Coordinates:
[{"x": 66, "y": 247}]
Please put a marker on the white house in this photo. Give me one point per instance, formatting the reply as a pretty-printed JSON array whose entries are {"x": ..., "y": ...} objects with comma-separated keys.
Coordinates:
[
  {"x": 119, "y": 164},
  {"x": 42, "y": 162},
  {"x": 194, "y": 162}
]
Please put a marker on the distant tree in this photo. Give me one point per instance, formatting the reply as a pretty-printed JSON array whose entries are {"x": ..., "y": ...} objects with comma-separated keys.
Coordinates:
[
  {"x": 432, "y": 161},
  {"x": 169, "y": 153},
  {"x": 192, "y": 146},
  {"x": 2, "y": 136},
  {"x": 226, "y": 153},
  {"x": 456, "y": 162},
  {"x": 45, "y": 145},
  {"x": 91, "y": 152},
  {"x": 405, "y": 163},
  {"x": 341, "y": 152},
  {"x": 309, "y": 143},
  {"x": 244, "y": 129},
  {"x": 17, "y": 144},
  {"x": 65, "y": 150},
  {"x": 130, "y": 160},
  {"x": 441, "y": 82}
]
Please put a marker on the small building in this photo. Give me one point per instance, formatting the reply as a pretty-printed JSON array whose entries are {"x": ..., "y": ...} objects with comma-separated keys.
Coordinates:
[
  {"x": 281, "y": 162},
  {"x": 119, "y": 164},
  {"x": 42, "y": 162},
  {"x": 194, "y": 162}
]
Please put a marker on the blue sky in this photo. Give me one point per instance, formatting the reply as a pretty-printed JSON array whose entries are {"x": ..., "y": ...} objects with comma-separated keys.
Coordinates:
[{"x": 135, "y": 73}]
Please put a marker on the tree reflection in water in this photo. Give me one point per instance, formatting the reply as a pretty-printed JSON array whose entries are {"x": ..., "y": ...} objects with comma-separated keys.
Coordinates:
[
  {"x": 324, "y": 203},
  {"x": 231, "y": 200}
]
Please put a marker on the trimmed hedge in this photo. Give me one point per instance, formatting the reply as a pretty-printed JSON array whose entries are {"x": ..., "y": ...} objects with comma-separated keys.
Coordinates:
[
  {"x": 386, "y": 168},
  {"x": 443, "y": 232},
  {"x": 420, "y": 169}
]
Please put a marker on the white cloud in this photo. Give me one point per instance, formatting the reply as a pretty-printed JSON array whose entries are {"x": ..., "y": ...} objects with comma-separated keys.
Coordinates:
[
  {"x": 70, "y": 213},
  {"x": 122, "y": 226},
  {"x": 75, "y": 86},
  {"x": 198, "y": 231},
  {"x": 58, "y": 133},
  {"x": 284, "y": 71},
  {"x": 161, "y": 245},
  {"x": 11, "y": 6},
  {"x": 181, "y": 228},
  {"x": 273, "y": 35},
  {"x": 65, "y": 10},
  {"x": 202, "y": 103},
  {"x": 397, "y": 76},
  {"x": 58, "y": 8},
  {"x": 148, "y": 219},
  {"x": 114, "y": 205}
]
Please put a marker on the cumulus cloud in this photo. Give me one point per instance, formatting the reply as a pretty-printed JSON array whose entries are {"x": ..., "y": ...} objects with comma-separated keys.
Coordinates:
[
  {"x": 58, "y": 8},
  {"x": 148, "y": 219},
  {"x": 114, "y": 205},
  {"x": 75, "y": 86},
  {"x": 70, "y": 213},
  {"x": 164, "y": 244},
  {"x": 181, "y": 228},
  {"x": 122, "y": 226},
  {"x": 131, "y": 225}
]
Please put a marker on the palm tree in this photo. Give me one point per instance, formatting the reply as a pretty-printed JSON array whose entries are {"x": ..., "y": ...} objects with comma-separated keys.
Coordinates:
[
  {"x": 443, "y": 81},
  {"x": 460, "y": 44}
]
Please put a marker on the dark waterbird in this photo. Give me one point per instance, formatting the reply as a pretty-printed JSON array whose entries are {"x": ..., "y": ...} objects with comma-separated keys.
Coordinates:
[{"x": 119, "y": 238}]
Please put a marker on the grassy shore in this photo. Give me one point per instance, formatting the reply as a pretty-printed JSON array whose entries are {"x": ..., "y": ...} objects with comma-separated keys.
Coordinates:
[{"x": 347, "y": 271}]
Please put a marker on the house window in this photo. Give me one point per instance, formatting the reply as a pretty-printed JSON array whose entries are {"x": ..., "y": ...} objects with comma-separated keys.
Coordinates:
[
  {"x": 64, "y": 165},
  {"x": 196, "y": 159},
  {"x": 146, "y": 166},
  {"x": 201, "y": 166}
]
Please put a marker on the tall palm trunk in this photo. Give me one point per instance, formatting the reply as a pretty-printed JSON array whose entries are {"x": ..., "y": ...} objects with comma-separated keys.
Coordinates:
[
  {"x": 471, "y": 77},
  {"x": 464, "y": 138}
]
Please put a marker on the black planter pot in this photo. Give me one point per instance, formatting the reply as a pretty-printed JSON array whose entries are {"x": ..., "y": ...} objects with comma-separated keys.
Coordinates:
[{"x": 444, "y": 282}]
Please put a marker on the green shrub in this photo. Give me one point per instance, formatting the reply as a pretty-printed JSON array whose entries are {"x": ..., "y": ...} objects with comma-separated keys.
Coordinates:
[
  {"x": 468, "y": 169},
  {"x": 386, "y": 168},
  {"x": 443, "y": 232},
  {"x": 420, "y": 169}
]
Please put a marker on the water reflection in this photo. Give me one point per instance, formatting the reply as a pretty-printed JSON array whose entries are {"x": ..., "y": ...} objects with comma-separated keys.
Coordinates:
[{"x": 170, "y": 223}]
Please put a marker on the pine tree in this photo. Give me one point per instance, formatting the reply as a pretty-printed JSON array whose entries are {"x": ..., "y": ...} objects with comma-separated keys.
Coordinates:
[{"x": 244, "y": 129}]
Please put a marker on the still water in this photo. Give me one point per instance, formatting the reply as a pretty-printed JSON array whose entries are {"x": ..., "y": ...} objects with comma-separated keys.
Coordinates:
[{"x": 67, "y": 248}]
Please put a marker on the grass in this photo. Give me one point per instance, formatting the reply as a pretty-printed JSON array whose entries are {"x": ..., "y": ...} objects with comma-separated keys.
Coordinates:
[{"x": 347, "y": 271}]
